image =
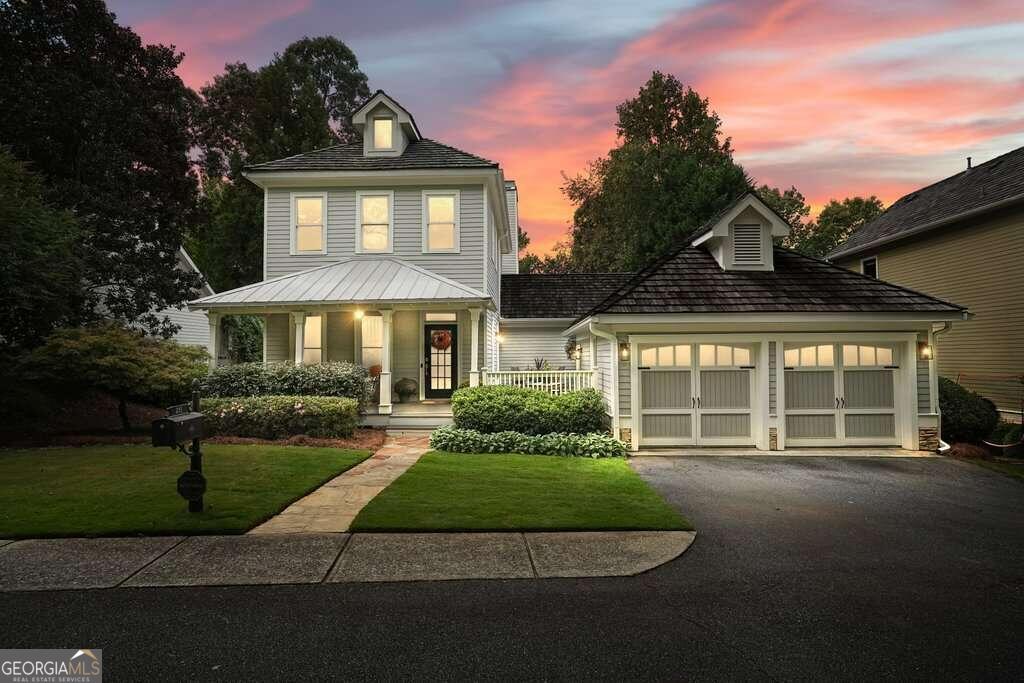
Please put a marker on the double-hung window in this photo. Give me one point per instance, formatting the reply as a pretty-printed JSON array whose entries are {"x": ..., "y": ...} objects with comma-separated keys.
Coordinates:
[
  {"x": 309, "y": 218},
  {"x": 441, "y": 221},
  {"x": 375, "y": 222}
]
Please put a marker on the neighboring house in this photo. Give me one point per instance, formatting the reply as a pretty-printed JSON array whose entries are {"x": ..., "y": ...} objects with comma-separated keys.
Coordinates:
[
  {"x": 194, "y": 327},
  {"x": 961, "y": 239},
  {"x": 400, "y": 252}
]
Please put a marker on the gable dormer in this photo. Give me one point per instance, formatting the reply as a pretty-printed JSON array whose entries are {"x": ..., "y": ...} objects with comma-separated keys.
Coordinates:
[
  {"x": 386, "y": 126},
  {"x": 742, "y": 238}
]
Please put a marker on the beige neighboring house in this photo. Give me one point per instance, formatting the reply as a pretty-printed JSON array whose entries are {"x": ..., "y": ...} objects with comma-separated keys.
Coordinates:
[{"x": 962, "y": 240}]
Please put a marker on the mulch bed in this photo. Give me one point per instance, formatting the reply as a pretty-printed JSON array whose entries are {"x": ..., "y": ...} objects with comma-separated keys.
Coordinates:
[{"x": 363, "y": 439}]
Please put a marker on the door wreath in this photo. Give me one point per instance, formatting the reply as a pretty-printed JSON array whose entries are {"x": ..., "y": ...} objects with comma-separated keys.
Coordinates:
[{"x": 441, "y": 339}]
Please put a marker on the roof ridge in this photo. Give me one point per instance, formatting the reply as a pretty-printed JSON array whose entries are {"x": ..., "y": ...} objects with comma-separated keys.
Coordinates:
[{"x": 958, "y": 174}]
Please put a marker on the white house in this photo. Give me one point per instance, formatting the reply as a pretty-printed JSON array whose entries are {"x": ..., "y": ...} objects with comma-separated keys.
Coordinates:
[{"x": 400, "y": 252}]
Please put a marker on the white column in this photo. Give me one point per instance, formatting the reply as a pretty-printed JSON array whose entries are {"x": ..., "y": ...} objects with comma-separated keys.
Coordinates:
[
  {"x": 593, "y": 365},
  {"x": 214, "y": 319},
  {"x": 385, "y": 364},
  {"x": 300, "y": 335},
  {"x": 474, "y": 347}
]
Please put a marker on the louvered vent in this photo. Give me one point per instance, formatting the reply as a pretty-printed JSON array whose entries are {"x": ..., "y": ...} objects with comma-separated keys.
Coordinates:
[{"x": 747, "y": 245}]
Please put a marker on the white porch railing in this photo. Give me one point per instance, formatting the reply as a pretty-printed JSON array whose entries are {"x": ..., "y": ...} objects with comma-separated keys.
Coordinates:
[{"x": 551, "y": 381}]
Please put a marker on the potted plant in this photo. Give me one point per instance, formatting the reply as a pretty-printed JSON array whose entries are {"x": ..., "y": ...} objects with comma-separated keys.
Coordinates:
[{"x": 405, "y": 389}]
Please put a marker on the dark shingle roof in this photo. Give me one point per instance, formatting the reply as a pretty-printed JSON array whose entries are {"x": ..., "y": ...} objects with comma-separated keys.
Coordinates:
[
  {"x": 422, "y": 153},
  {"x": 984, "y": 187},
  {"x": 556, "y": 296},
  {"x": 691, "y": 281}
]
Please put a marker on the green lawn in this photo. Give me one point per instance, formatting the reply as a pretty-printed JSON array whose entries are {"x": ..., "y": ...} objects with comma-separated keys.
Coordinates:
[
  {"x": 461, "y": 492},
  {"x": 122, "y": 490},
  {"x": 1010, "y": 469}
]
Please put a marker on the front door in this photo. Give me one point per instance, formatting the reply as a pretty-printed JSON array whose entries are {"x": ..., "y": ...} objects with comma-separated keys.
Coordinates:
[{"x": 440, "y": 360}]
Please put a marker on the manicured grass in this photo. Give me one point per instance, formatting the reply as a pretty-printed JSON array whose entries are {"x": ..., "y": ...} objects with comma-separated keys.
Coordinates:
[
  {"x": 461, "y": 492},
  {"x": 1010, "y": 469},
  {"x": 124, "y": 490}
]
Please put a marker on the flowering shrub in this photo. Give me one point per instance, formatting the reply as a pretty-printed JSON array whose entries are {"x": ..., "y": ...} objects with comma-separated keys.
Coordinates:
[
  {"x": 455, "y": 440},
  {"x": 279, "y": 417},
  {"x": 529, "y": 411},
  {"x": 288, "y": 379}
]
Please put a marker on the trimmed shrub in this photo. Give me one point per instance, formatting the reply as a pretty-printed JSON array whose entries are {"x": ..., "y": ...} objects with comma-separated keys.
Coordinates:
[
  {"x": 967, "y": 417},
  {"x": 494, "y": 409},
  {"x": 280, "y": 417},
  {"x": 287, "y": 379},
  {"x": 455, "y": 440}
]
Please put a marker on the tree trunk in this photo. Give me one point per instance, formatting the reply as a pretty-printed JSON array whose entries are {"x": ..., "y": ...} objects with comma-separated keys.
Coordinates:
[{"x": 122, "y": 410}]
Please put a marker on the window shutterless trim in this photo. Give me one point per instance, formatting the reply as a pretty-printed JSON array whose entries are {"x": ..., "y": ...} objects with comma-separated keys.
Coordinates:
[
  {"x": 390, "y": 194},
  {"x": 374, "y": 146},
  {"x": 293, "y": 228},
  {"x": 865, "y": 260},
  {"x": 425, "y": 220}
]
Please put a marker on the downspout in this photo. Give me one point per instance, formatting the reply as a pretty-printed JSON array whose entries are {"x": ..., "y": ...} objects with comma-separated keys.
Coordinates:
[
  {"x": 614, "y": 341},
  {"x": 946, "y": 327}
]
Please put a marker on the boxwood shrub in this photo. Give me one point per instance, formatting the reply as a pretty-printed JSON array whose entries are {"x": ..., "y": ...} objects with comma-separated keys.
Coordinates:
[
  {"x": 287, "y": 379},
  {"x": 280, "y": 417},
  {"x": 456, "y": 440},
  {"x": 494, "y": 409},
  {"x": 967, "y": 417}
]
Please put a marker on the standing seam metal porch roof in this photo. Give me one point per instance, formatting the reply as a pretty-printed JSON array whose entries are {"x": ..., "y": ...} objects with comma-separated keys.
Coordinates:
[{"x": 358, "y": 280}]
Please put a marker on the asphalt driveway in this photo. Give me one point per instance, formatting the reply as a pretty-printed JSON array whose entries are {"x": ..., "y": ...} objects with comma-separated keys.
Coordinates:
[{"x": 804, "y": 568}]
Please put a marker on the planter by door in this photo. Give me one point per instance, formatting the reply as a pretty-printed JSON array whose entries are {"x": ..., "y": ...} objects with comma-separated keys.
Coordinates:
[{"x": 440, "y": 360}]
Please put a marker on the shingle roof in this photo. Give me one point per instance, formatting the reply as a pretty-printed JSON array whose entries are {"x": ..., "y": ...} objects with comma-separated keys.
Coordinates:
[
  {"x": 355, "y": 280},
  {"x": 349, "y": 157},
  {"x": 556, "y": 296},
  {"x": 691, "y": 281},
  {"x": 985, "y": 187}
]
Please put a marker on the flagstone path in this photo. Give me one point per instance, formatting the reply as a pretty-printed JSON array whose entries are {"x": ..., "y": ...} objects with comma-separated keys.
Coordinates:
[{"x": 333, "y": 506}]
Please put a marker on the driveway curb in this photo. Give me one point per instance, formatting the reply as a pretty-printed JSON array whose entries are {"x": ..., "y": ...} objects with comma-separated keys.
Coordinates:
[{"x": 36, "y": 565}]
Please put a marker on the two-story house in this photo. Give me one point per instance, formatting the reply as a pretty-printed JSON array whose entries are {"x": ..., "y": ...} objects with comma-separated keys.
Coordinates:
[{"x": 399, "y": 253}]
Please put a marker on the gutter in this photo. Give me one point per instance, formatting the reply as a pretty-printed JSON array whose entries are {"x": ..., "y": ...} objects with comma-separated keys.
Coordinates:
[
  {"x": 614, "y": 341},
  {"x": 927, "y": 226},
  {"x": 946, "y": 327}
]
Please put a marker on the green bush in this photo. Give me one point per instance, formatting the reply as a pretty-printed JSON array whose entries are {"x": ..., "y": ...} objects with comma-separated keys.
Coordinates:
[
  {"x": 529, "y": 411},
  {"x": 279, "y": 417},
  {"x": 287, "y": 379},
  {"x": 967, "y": 417},
  {"x": 455, "y": 440}
]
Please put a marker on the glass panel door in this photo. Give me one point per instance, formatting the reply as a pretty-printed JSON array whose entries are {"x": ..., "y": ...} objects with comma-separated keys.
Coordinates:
[{"x": 440, "y": 360}]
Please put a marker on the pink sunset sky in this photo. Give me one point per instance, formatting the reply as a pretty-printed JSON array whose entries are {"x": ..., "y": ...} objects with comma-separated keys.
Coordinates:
[{"x": 836, "y": 98}]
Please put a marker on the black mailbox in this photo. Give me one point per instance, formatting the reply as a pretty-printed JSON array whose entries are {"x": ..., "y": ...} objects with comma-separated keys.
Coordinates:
[{"x": 175, "y": 429}]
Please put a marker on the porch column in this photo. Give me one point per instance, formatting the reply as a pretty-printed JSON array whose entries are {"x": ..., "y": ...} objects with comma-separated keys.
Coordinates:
[
  {"x": 385, "y": 363},
  {"x": 300, "y": 335},
  {"x": 214, "y": 319},
  {"x": 474, "y": 347}
]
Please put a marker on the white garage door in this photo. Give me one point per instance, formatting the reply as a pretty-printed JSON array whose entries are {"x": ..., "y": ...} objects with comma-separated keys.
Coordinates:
[
  {"x": 841, "y": 394},
  {"x": 696, "y": 394}
]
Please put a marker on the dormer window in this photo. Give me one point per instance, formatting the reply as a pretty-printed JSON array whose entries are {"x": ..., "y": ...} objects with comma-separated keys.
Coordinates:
[
  {"x": 382, "y": 133},
  {"x": 746, "y": 241}
]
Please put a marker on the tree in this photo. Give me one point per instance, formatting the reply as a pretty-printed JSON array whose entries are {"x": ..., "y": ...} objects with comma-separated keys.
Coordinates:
[
  {"x": 557, "y": 262},
  {"x": 40, "y": 281},
  {"x": 834, "y": 225},
  {"x": 790, "y": 205},
  {"x": 123, "y": 362},
  {"x": 106, "y": 122},
  {"x": 300, "y": 101},
  {"x": 671, "y": 172}
]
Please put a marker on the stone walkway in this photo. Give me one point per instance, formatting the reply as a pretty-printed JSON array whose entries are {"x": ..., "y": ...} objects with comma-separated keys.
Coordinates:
[{"x": 333, "y": 506}]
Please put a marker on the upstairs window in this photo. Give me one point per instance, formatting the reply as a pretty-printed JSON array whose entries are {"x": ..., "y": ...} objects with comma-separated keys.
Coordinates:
[
  {"x": 746, "y": 241},
  {"x": 869, "y": 267},
  {"x": 441, "y": 221},
  {"x": 374, "y": 232},
  {"x": 308, "y": 219},
  {"x": 382, "y": 133}
]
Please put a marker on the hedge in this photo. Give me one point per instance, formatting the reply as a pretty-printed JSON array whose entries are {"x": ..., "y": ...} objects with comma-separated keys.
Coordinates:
[
  {"x": 494, "y": 409},
  {"x": 280, "y": 417},
  {"x": 287, "y": 379},
  {"x": 455, "y": 440},
  {"x": 967, "y": 417}
]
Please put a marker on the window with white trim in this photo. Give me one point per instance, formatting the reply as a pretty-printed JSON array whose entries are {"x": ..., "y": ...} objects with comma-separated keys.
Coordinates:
[
  {"x": 375, "y": 221},
  {"x": 857, "y": 355},
  {"x": 440, "y": 317},
  {"x": 869, "y": 266},
  {"x": 312, "y": 340},
  {"x": 372, "y": 340},
  {"x": 441, "y": 221},
  {"x": 665, "y": 356},
  {"x": 809, "y": 356},
  {"x": 746, "y": 245},
  {"x": 721, "y": 355},
  {"x": 382, "y": 133},
  {"x": 308, "y": 220}
]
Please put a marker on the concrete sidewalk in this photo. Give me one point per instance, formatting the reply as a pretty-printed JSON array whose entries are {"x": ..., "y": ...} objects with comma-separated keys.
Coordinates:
[{"x": 84, "y": 563}]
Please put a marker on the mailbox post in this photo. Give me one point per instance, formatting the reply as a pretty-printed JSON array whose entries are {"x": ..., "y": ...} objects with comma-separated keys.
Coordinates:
[{"x": 183, "y": 423}]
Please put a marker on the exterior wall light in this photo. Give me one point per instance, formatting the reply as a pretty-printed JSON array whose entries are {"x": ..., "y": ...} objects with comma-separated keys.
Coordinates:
[
  {"x": 358, "y": 315},
  {"x": 500, "y": 338},
  {"x": 624, "y": 351},
  {"x": 924, "y": 351}
]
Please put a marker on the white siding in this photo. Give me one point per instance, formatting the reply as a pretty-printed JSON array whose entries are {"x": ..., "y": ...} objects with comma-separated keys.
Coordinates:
[
  {"x": 490, "y": 340},
  {"x": 603, "y": 351},
  {"x": 195, "y": 326},
  {"x": 510, "y": 262},
  {"x": 405, "y": 346},
  {"x": 525, "y": 344},
  {"x": 465, "y": 267}
]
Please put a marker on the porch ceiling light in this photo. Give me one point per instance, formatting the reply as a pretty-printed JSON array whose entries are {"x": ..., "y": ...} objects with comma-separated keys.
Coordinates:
[
  {"x": 924, "y": 351},
  {"x": 358, "y": 314}
]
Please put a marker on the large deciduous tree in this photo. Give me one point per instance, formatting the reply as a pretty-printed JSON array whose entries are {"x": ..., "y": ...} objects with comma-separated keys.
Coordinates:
[
  {"x": 671, "y": 171},
  {"x": 835, "y": 224},
  {"x": 106, "y": 122}
]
